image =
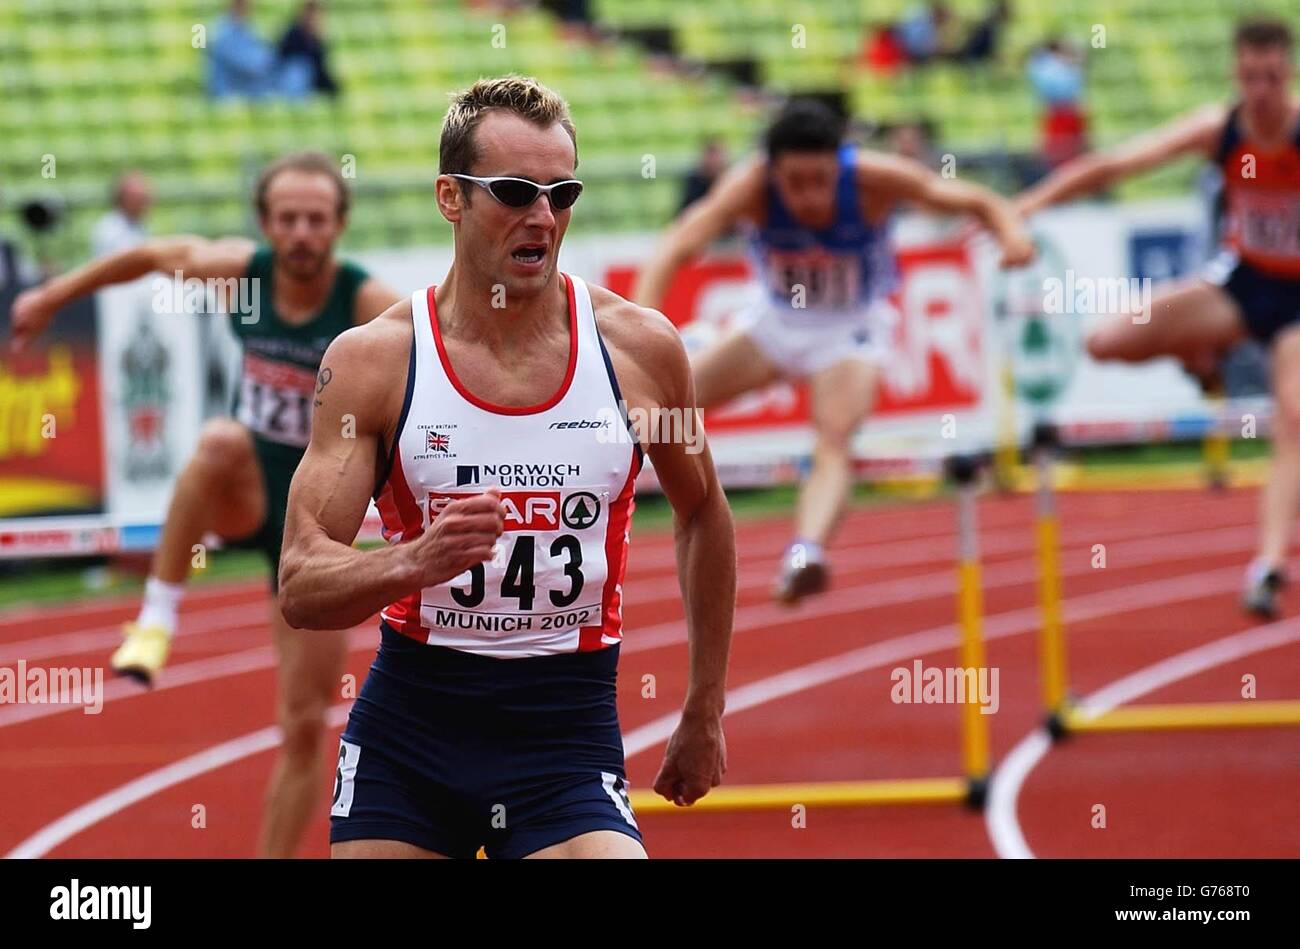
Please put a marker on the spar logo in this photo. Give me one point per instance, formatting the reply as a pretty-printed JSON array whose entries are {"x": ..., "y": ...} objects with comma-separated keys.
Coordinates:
[
  {"x": 532, "y": 510},
  {"x": 580, "y": 510}
]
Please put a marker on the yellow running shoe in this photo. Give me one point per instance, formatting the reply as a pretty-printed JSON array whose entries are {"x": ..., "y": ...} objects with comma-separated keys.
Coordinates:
[{"x": 142, "y": 653}]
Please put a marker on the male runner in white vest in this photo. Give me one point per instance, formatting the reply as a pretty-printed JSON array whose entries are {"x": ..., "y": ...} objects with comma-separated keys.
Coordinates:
[{"x": 488, "y": 416}]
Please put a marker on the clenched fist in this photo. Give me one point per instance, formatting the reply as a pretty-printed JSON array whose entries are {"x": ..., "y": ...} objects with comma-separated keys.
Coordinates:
[{"x": 461, "y": 536}]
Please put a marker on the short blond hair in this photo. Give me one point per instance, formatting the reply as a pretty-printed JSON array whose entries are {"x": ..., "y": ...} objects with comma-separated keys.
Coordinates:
[{"x": 522, "y": 95}]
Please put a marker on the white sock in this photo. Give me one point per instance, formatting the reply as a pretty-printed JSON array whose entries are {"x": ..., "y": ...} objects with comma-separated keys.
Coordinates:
[
  {"x": 812, "y": 551},
  {"x": 160, "y": 603}
]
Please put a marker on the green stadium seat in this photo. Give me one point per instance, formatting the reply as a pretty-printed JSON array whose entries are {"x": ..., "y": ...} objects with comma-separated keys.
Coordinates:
[{"x": 108, "y": 84}]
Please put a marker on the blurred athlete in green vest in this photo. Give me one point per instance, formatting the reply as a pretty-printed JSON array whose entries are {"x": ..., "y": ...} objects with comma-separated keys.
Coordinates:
[{"x": 236, "y": 484}]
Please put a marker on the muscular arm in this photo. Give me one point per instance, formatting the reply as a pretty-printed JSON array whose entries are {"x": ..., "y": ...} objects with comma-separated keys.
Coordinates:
[
  {"x": 194, "y": 257},
  {"x": 706, "y": 556},
  {"x": 325, "y": 583},
  {"x": 657, "y": 375},
  {"x": 732, "y": 198},
  {"x": 1194, "y": 133},
  {"x": 907, "y": 180}
]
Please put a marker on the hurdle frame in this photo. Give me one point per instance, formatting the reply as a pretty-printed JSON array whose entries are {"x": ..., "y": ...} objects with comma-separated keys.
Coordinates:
[
  {"x": 1216, "y": 452},
  {"x": 1063, "y": 716},
  {"x": 970, "y": 788}
]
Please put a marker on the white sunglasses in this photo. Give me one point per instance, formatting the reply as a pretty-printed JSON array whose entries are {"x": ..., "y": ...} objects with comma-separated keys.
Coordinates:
[{"x": 520, "y": 192}]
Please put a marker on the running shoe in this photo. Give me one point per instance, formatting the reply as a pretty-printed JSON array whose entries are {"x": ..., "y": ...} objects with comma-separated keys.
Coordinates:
[
  {"x": 142, "y": 653},
  {"x": 1263, "y": 584},
  {"x": 799, "y": 576}
]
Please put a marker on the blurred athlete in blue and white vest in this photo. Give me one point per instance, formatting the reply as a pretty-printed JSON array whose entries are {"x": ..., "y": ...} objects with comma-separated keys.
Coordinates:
[{"x": 817, "y": 211}]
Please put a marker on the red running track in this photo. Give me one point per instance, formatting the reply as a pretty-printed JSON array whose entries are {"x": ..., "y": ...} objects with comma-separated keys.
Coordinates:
[{"x": 809, "y": 698}]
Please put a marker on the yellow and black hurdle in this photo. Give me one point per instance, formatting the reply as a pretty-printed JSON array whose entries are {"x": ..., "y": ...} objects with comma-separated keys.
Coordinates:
[
  {"x": 971, "y": 786},
  {"x": 1063, "y": 716}
]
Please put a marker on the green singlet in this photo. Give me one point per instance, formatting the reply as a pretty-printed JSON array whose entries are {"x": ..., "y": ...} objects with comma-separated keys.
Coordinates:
[{"x": 278, "y": 384}]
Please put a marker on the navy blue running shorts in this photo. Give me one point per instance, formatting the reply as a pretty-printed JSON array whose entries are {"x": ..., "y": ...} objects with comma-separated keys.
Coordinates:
[
  {"x": 1268, "y": 304},
  {"x": 450, "y": 751}
]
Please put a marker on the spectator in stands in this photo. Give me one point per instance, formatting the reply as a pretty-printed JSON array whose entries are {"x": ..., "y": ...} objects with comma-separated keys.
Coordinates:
[
  {"x": 240, "y": 63},
  {"x": 923, "y": 32},
  {"x": 982, "y": 41},
  {"x": 1056, "y": 73},
  {"x": 913, "y": 139},
  {"x": 302, "y": 55},
  {"x": 17, "y": 272},
  {"x": 123, "y": 227},
  {"x": 575, "y": 19},
  {"x": 711, "y": 163},
  {"x": 43, "y": 215},
  {"x": 882, "y": 51}
]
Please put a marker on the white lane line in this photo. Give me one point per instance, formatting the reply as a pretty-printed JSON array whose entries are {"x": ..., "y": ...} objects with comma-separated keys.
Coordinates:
[
  {"x": 1004, "y": 787},
  {"x": 847, "y": 600},
  {"x": 638, "y": 593},
  {"x": 649, "y": 735},
  {"x": 190, "y": 673},
  {"x": 203, "y": 622},
  {"x": 917, "y": 588},
  {"x": 146, "y": 786},
  {"x": 40, "y": 612},
  {"x": 1000, "y": 817},
  {"x": 900, "y": 525},
  {"x": 1135, "y": 537},
  {"x": 876, "y": 551}
]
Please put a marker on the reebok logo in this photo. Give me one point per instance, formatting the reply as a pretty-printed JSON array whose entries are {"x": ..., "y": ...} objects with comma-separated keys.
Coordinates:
[{"x": 582, "y": 423}]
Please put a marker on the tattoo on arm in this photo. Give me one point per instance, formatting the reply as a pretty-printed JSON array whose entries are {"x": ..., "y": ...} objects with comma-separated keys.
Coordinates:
[{"x": 322, "y": 380}]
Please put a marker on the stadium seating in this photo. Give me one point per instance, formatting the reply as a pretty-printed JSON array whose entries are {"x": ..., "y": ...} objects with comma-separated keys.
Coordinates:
[
  {"x": 1160, "y": 58},
  {"x": 103, "y": 85}
]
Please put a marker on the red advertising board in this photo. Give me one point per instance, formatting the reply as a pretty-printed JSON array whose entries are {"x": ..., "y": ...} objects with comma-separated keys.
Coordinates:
[
  {"x": 51, "y": 450},
  {"x": 936, "y": 361}
]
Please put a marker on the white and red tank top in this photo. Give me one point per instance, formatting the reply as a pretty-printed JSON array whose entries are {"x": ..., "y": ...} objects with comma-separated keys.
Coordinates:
[{"x": 566, "y": 469}]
